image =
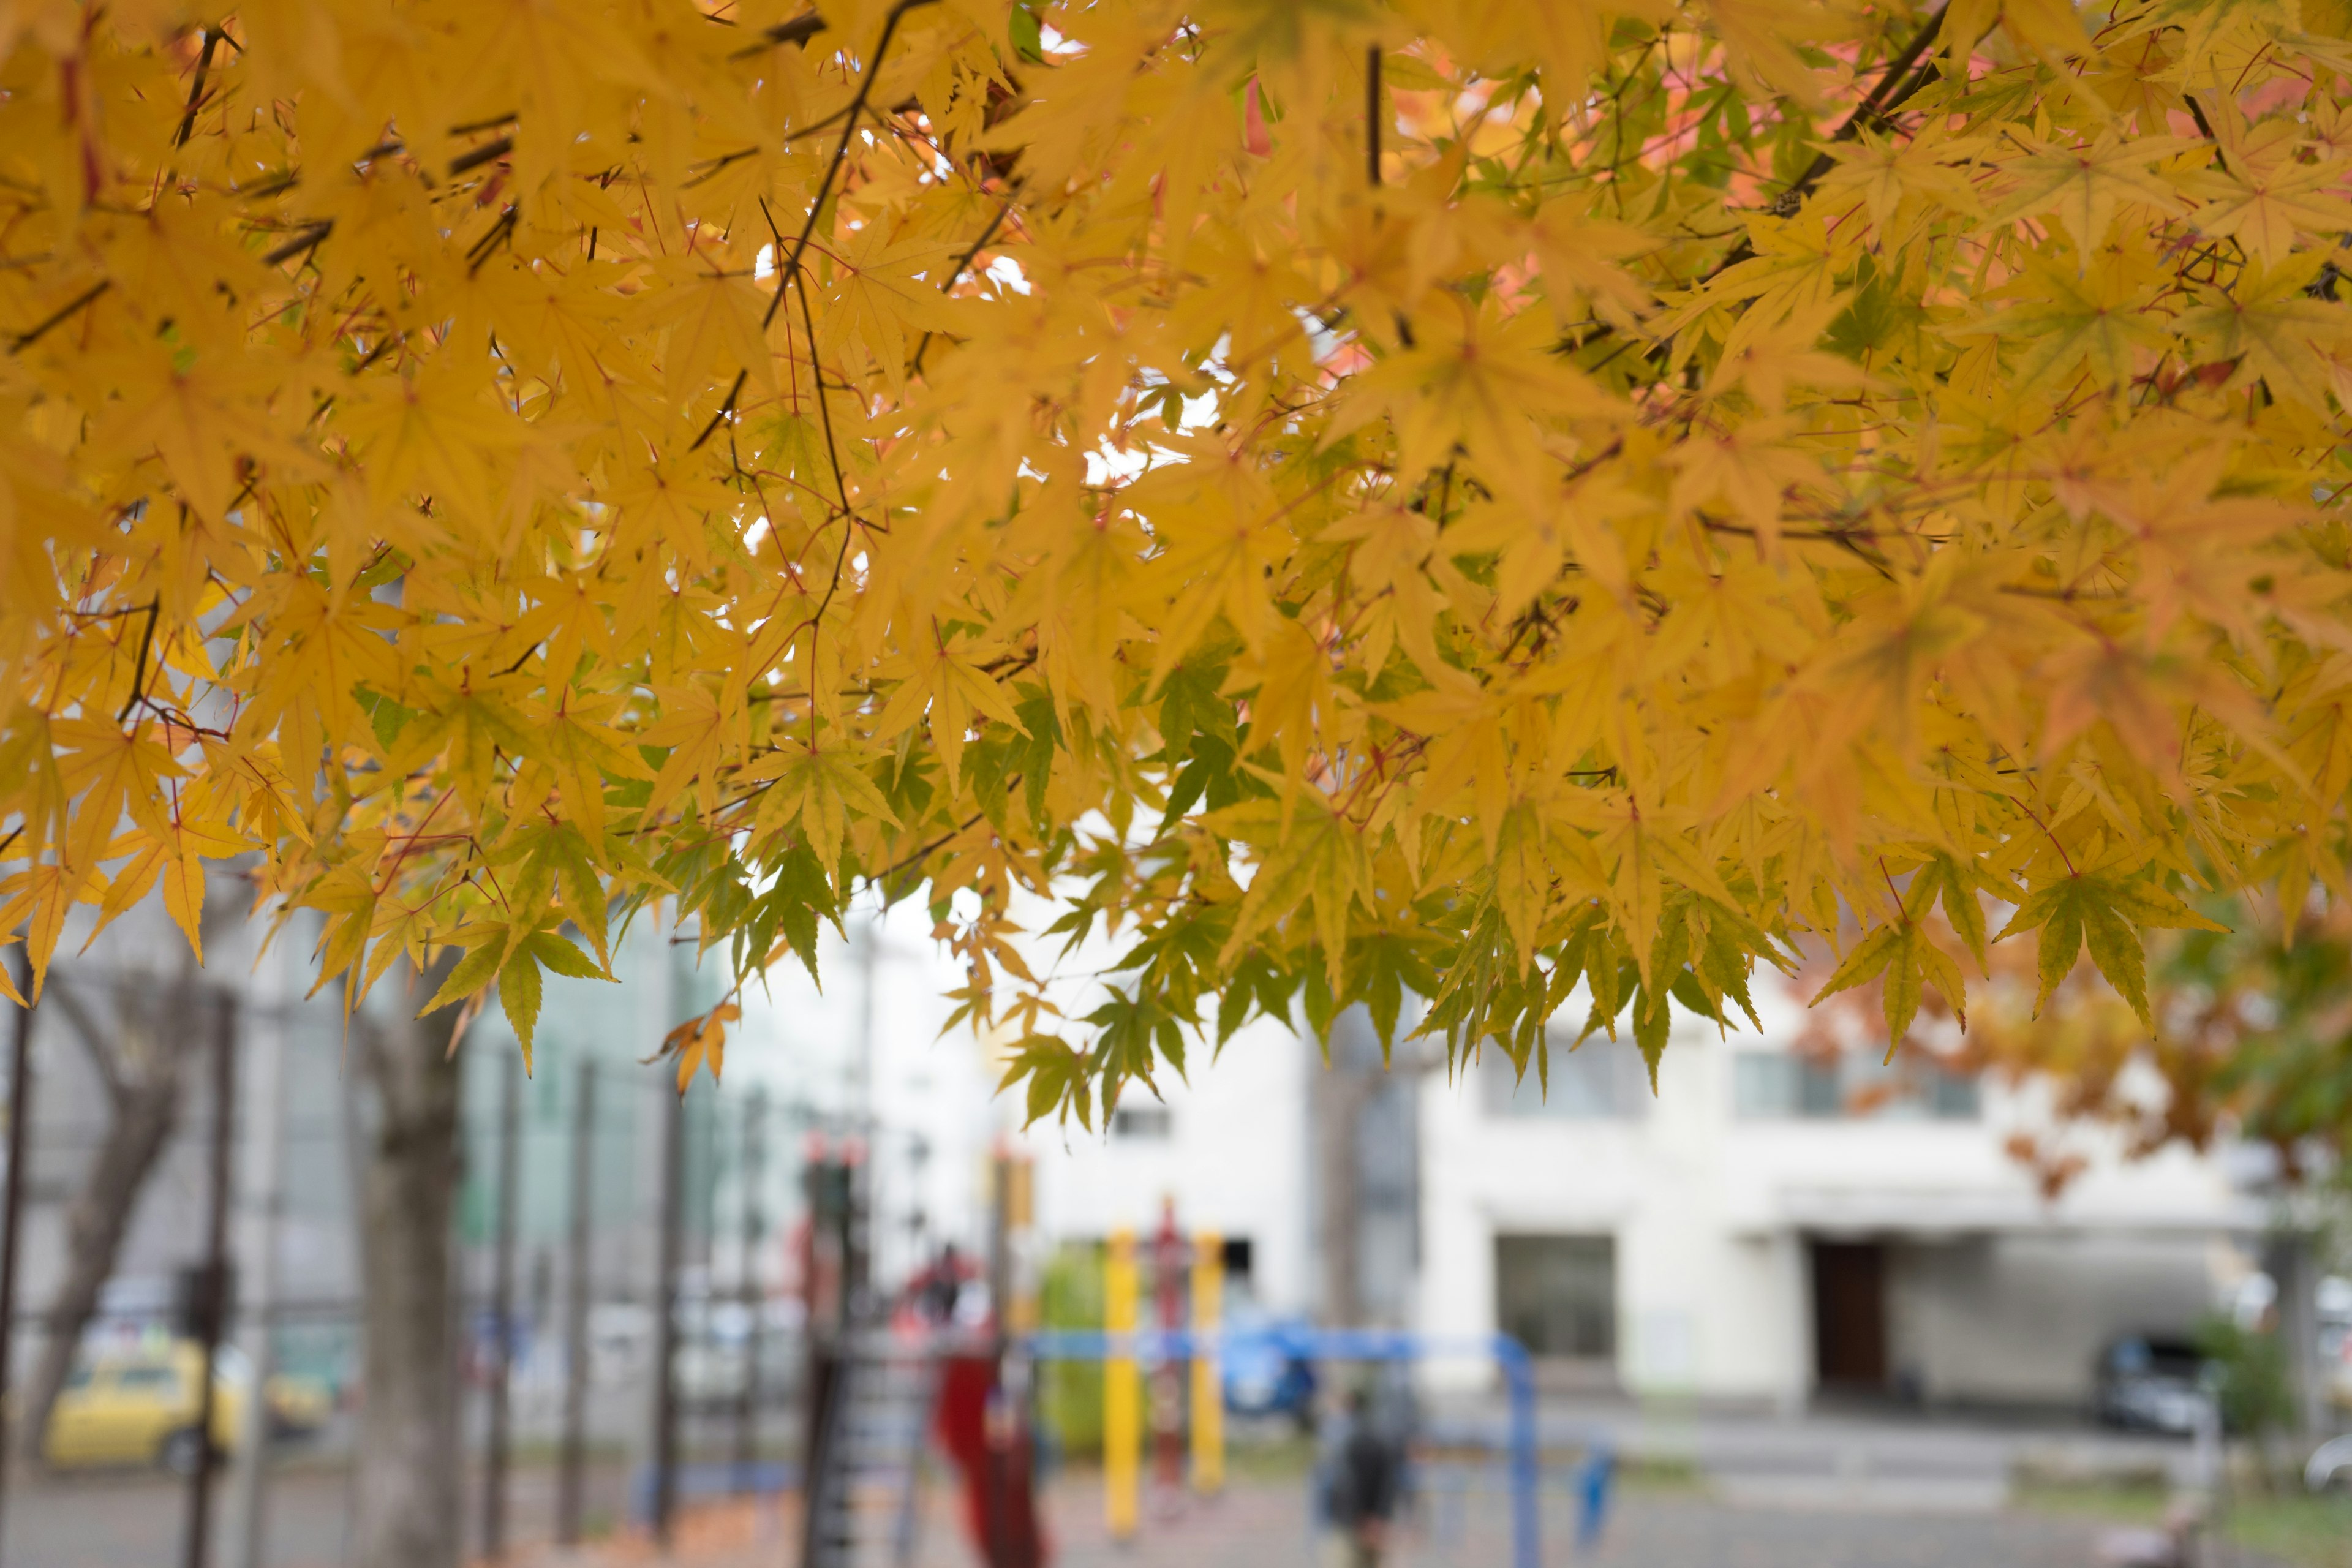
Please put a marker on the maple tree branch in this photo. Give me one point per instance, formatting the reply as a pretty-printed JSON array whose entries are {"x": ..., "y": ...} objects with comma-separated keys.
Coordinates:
[
  {"x": 139, "y": 667},
  {"x": 487, "y": 244},
  {"x": 915, "y": 366},
  {"x": 824, "y": 416},
  {"x": 488, "y": 152},
  {"x": 1881, "y": 102},
  {"x": 724, "y": 410},
  {"x": 799, "y": 30},
  {"x": 840, "y": 153},
  {"x": 903, "y": 862},
  {"x": 1372, "y": 114},
  {"x": 306, "y": 239},
  {"x": 1877, "y": 104},
  {"x": 197, "y": 89},
  {"x": 35, "y": 333}
]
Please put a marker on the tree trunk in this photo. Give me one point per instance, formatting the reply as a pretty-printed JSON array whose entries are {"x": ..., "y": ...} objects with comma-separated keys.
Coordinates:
[
  {"x": 405, "y": 1505},
  {"x": 95, "y": 1225},
  {"x": 138, "y": 1057}
]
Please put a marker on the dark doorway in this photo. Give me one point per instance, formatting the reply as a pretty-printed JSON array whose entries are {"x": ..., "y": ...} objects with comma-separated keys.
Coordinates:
[{"x": 1850, "y": 1314}]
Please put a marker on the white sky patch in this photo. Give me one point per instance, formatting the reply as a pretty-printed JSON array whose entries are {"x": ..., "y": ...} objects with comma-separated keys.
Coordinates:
[
  {"x": 1106, "y": 463},
  {"x": 1321, "y": 342},
  {"x": 1007, "y": 271}
]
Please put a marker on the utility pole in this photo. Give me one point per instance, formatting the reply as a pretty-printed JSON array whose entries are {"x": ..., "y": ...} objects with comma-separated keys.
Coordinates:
[
  {"x": 665, "y": 1314},
  {"x": 569, "y": 1477},
  {"x": 755, "y": 1225},
  {"x": 862, "y": 1122},
  {"x": 211, "y": 1292},
  {"x": 20, "y": 1099},
  {"x": 264, "y": 1178},
  {"x": 494, "y": 1482}
]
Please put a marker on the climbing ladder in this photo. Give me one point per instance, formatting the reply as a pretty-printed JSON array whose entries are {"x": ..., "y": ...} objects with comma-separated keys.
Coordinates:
[{"x": 866, "y": 1467}]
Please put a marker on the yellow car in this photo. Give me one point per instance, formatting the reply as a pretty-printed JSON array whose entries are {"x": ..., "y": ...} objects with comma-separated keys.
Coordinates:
[{"x": 140, "y": 1406}]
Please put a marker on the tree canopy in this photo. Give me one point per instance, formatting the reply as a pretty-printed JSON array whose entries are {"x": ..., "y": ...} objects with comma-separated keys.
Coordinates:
[{"x": 1488, "y": 502}]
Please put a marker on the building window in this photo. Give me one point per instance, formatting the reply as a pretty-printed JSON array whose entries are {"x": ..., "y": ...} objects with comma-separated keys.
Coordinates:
[
  {"x": 1556, "y": 1295},
  {"x": 1600, "y": 1079},
  {"x": 1777, "y": 1086},
  {"x": 1144, "y": 1123}
]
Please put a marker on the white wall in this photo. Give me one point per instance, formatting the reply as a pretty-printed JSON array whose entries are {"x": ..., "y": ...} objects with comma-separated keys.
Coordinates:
[
  {"x": 1235, "y": 1162},
  {"x": 2019, "y": 1318},
  {"x": 1993, "y": 1293},
  {"x": 1700, "y": 1306}
]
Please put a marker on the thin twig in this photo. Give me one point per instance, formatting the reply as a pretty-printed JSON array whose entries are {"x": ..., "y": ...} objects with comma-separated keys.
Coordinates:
[
  {"x": 34, "y": 334},
  {"x": 785, "y": 271},
  {"x": 1878, "y": 105},
  {"x": 196, "y": 89},
  {"x": 484, "y": 247},
  {"x": 799, "y": 30},
  {"x": 139, "y": 668},
  {"x": 724, "y": 410},
  {"x": 915, "y": 367},
  {"x": 488, "y": 152},
  {"x": 307, "y": 238}
]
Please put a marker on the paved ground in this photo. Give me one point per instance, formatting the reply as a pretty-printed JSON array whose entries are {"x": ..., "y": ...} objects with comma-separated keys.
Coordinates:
[
  {"x": 134, "y": 1522},
  {"x": 1858, "y": 1489},
  {"x": 137, "y": 1519},
  {"x": 1262, "y": 1526}
]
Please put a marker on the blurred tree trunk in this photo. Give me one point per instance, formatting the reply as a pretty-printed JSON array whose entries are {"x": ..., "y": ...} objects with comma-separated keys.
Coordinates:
[
  {"x": 406, "y": 1500},
  {"x": 139, "y": 1068},
  {"x": 138, "y": 1054}
]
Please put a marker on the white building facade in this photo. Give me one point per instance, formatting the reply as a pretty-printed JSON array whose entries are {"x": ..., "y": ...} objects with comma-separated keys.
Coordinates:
[{"x": 1767, "y": 1229}]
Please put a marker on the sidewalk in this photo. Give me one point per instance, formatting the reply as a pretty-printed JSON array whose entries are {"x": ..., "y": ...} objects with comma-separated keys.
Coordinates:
[
  {"x": 1262, "y": 1525},
  {"x": 1889, "y": 1461}
]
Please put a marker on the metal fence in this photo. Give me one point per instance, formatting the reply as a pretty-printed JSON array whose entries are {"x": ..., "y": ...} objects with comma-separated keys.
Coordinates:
[{"x": 592, "y": 1197}]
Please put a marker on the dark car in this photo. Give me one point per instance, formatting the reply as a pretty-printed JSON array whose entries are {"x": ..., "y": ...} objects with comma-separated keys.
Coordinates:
[{"x": 2147, "y": 1384}]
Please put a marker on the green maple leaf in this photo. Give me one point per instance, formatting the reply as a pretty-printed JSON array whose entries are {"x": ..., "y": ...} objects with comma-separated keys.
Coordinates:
[
  {"x": 1901, "y": 948},
  {"x": 1060, "y": 1078},
  {"x": 2103, "y": 911}
]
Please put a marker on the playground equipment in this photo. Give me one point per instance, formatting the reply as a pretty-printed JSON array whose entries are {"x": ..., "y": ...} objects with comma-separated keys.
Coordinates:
[
  {"x": 1208, "y": 1387},
  {"x": 1121, "y": 1349},
  {"x": 1122, "y": 1390}
]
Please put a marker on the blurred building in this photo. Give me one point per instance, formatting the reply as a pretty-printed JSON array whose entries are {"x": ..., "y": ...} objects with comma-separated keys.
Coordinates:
[{"x": 1769, "y": 1227}]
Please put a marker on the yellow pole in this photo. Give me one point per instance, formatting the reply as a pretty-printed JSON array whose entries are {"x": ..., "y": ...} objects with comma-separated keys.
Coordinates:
[
  {"x": 1122, "y": 1394},
  {"x": 1208, "y": 1390}
]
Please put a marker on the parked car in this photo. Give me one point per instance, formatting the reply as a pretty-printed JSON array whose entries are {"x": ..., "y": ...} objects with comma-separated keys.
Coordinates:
[
  {"x": 139, "y": 1406},
  {"x": 2147, "y": 1384}
]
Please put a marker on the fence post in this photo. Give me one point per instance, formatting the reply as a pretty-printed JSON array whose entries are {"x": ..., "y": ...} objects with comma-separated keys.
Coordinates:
[
  {"x": 494, "y": 1480},
  {"x": 574, "y": 1457},
  {"x": 20, "y": 1099},
  {"x": 1527, "y": 1523},
  {"x": 211, "y": 1288},
  {"x": 1122, "y": 1391},
  {"x": 666, "y": 1313},
  {"x": 264, "y": 1169},
  {"x": 755, "y": 1225}
]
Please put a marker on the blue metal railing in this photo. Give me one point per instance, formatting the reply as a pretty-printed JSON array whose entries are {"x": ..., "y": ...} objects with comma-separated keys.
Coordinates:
[{"x": 1379, "y": 1345}]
